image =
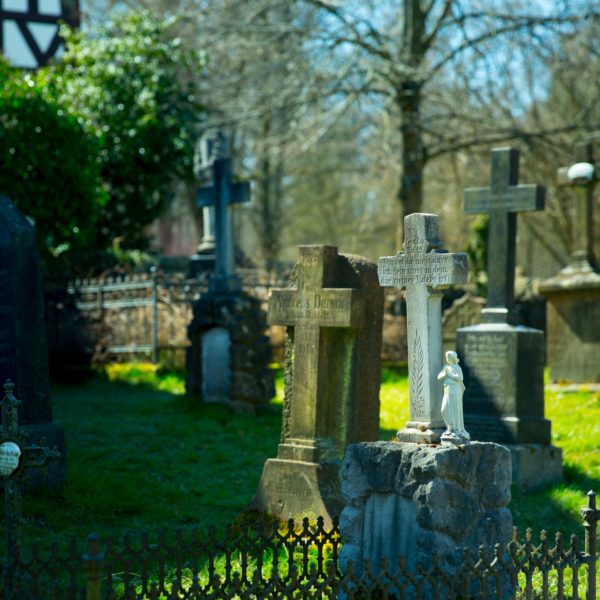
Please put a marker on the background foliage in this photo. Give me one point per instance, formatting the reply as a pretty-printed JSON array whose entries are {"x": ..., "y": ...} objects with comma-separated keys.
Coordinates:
[
  {"x": 49, "y": 165},
  {"x": 94, "y": 143}
]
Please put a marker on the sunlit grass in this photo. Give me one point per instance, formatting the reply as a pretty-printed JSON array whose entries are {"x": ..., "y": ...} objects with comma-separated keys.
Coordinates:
[{"x": 143, "y": 456}]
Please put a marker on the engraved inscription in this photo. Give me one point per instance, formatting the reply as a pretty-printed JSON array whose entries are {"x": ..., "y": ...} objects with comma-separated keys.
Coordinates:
[
  {"x": 429, "y": 269},
  {"x": 313, "y": 307},
  {"x": 485, "y": 376},
  {"x": 288, "y": 485}
]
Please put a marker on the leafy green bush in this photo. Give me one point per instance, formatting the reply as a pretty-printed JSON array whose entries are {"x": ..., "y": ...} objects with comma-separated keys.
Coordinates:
[
  {"x": 49, "y": 165},
  {"x": 92, "y": 145},
  {"x": 136, "y": 83}
]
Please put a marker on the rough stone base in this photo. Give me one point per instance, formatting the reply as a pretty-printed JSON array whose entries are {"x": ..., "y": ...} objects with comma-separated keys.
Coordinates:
[
  {"x": 420, "y": 436},
  {"x": 52, "y": 436},
  {"x": 295, "y": 489},
  {"x": 535, "y": 466},
  {"x": 416, "y": 501},
  {"x": 251, "y": 380}
]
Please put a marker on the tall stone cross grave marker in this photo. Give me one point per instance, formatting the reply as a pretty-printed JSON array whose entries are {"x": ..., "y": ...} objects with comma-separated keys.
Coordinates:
[
  {"x": 582, "y": 176},
  {"x": 333, "y": 369},
  {"x": 423, "y": 271},
  {"x": 221, "y": 195},
  {"x": 503, "y": 364},
  {"x": 502, "y": 201},
  {"x": 573, "y": 294}
]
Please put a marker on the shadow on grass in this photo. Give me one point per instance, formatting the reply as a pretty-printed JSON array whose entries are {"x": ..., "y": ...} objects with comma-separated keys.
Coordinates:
[
  {"x": 576, "y": 476},
  {"x": 141, "y": 458},
  {"x": 555, "y": 508}
]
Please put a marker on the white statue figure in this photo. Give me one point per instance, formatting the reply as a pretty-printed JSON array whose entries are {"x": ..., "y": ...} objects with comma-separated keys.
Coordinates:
[{"x": 452, "y": 406}]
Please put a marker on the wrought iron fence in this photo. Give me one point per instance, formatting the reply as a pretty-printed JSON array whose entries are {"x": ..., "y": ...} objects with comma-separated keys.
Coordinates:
[
  {"x": 146, "y": 315},
  {"x": 295, "y": 561}
]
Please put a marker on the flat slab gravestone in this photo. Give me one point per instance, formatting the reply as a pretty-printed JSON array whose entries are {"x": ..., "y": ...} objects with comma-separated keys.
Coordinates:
[
  {"x": 23, "y": 352},
  {"x": 503, "y": 364},
  {"x": 334, "y": 316},
  {"x": 424, "y": 271}
]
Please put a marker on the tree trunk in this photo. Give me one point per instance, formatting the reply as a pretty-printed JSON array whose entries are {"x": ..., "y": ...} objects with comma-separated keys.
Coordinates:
[{"x": 410, "y": 194}]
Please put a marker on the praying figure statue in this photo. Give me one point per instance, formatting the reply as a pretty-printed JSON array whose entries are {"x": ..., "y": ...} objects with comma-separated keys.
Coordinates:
[{"x": 452, "y": 406}]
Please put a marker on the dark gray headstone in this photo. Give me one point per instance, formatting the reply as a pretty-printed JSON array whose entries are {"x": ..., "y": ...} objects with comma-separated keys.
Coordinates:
[
  {"x": 334, "y": 313},
  {"x": 503, "y": 364},
  {"x": 23, "y": 351}
]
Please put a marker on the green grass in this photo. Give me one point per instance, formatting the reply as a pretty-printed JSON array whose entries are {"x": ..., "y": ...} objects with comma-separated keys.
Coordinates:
[{"x": 142, "y": 456}]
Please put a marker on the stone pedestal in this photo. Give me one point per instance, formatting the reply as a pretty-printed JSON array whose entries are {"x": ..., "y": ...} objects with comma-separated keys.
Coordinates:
[
  {"x": 573, "y": 325},
  {"x": 503, "y": 368},
  {"x": 417, "y": 501},
  {"x": 294, "y": 489},
  {"x": 245, "y": 375}
]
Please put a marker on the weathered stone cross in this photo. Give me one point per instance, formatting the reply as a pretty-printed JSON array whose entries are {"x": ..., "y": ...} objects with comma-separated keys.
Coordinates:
[
  {"x": 583, "y": 177},
  {"x": 314, "y": 305},
  {"x": 502, "y": 200},
  {"x": 423, "y": 270},
  {"x": 221, "y": 194}
]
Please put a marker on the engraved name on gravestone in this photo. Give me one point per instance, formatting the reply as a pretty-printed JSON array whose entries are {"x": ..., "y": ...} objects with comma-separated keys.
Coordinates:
[
  {"x": 424, "y": 271},
  {"x": 334, "y": 316},
  {"x": 23, "y": 353}
]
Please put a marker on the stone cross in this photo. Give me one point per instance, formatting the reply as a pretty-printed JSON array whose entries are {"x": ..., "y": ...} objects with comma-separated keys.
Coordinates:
[
  {"x": 582, "y": 176},
  {"x": 423, "y": 271},
  {"x": 502, "y": 200},
  {"x": 309, "y": 308},
  {"x": 221, "y": 194},
  {"x": 16, "y": 459}
]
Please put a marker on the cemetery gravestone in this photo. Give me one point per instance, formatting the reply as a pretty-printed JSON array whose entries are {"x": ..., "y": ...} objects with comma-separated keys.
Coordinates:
[
  {"x": 422, "y": 502},
  {"x": 464, "y": 312},
  {"x": 333, "y": 368},
  {"x": 228, "y": 358},
  {"x": 424, "y": 271},
  {"x": 23, "y": 353},
  {"x": 573, "y": 294},
  {"x": 503, "y": 364}
]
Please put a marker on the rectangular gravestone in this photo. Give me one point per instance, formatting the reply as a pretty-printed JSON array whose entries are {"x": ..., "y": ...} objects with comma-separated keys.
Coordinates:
[
  {"x": 23, "y": 353},
  {"x": 334, "y": 314},
  {"x": 503, "y": 364}
]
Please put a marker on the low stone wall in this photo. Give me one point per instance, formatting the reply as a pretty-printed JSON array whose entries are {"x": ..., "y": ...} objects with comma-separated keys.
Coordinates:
[{"x": 418, "y": 501}]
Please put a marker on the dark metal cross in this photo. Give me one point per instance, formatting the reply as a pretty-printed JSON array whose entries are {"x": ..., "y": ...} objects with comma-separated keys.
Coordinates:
[
  {"x": 16, "y": 459},
  {"x": 575, "y": 176},
  {"x": 502, "y": 201},
  {"x": 221, "y": 194}
]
